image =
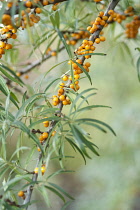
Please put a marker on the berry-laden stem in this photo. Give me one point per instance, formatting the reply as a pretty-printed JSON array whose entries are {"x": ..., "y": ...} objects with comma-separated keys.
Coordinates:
[
  {"x": 35, "y": 175},
  {"x": 111, "y": 6}
]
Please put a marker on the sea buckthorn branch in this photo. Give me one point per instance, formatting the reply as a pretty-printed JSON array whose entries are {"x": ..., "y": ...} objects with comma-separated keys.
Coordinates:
[
  {"x": 31, "y": 4},
  {"x": 11, "y": 203},
  {"x": 61, "y": 102}
]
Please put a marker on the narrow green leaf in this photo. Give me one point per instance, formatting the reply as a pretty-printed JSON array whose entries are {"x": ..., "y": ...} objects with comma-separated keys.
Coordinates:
[
  {"x": 138, "y": 68},
  {"x": 79, "y": 96},
  {"x": 13, "y": 73},
  {"x": 10, "y": 77},
  {"x": 83, "y": 120},
  {"x": 56, "y": 192},
  {"x": 75, "y": 146},
  {"x": 57, "y": 19},
  {"x": 51, "y": 84},
  {"x": 59, "y": 172},
  {"x": 61, "y": 190},
  {"x": 86, "y": 108},
  {"x": 66, "y": 205},
  {"x": 65, "y": 44}
]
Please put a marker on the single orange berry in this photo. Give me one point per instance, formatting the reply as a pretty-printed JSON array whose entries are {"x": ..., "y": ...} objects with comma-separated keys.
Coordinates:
[
  {"x": 53, "y": 53},
  {"x": 77, "y": 76},
  {"x": 87, "y": 64},
  {"x": 62, "y": 98},
  {"x": 26, "y": 76},
  {"x": 21, "y": 194},
  {"x": 65, "y": 102},
  {"x": 38, "y": 10},
  {"x": 28, "y": 3},
  {"x": 43, "y": 169},
  {"x": 53, "y": 133},
  {"x": 102, "y": 38},
  {"x": 38, "y": 149},
  {"x": 97, "y": 40},
  {"x": 45, "y": 135},
  {"x": 41, "y": 138},
  {"x": 65, "y": 78},
  {"x": 36, "y": 170}
]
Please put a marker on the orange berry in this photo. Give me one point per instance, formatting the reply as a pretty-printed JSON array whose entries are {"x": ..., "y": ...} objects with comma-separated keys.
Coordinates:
[
  {"x": 102, "y": 38},
  {"x": 79, "y": 61},
  {"x": 43, "y": 169},
  {"x": 2, "y": 44},
  {"x": 85, "y": 41},
  {"x": 41, "y": 138},
  {"x": 62, "y": 85},
  {"x": 77, "y": 76},
  {"x": 97, "y": 40},
  {"x": 53, "y": 133},
  {"x": 61, "y": 91},
  {"x": 72, "y": 86},
  {"x": 65, "y": 102},
  {"x": 56, "y": 99},
  {"x": 110, "y": 12},
  {"x": 87, "y": 47},
  {"x": 28, "y": 4},
  {"x": 88, "y": 28},
  {"x": 21, "y": 194},
  {"x": 98, "y": 19},
  {"x": 26, "y": 76},
  {"x": 105, "y": 18},
  {"x": 2, "y": 51},
  {"x": 90, "y": 43},
  {"x": 38, "y": 149},
  {"x": 87, "y": 64},
  {"x": 53, "y": 53},
  {"x": 65, "y": 78},
  {"x": 70, "y": 78},
  {"x": 38, "y": 10},
  {"x": 45, "y": 2},
  {"x": 36, "y": 170},
  {"x": 62, "y": 98},
  {"x": 55, "y": 103},
  {"x": 18, "y": 74},
  {"x": 102, "y": 22},
  {"x": 45, "y": 135},
  {"x": 101, "y": 14},
  {"x": 14, "y": 36}
]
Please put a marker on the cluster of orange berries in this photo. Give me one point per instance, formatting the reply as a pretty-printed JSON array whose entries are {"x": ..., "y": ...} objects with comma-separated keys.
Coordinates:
[
  {"x": 6, "y": 33},
  {"x": 51, "y": 52},
  {"x": 87, "y": 46},
  {"x": 132, "y": 27},
  {"x": 61, "y": 96},
  {"x": 45, "y": 135},
  {"x": 43, "y": 169},
  {"x": 28, "y": 18},
  {"x": 73, "y": 38}
]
